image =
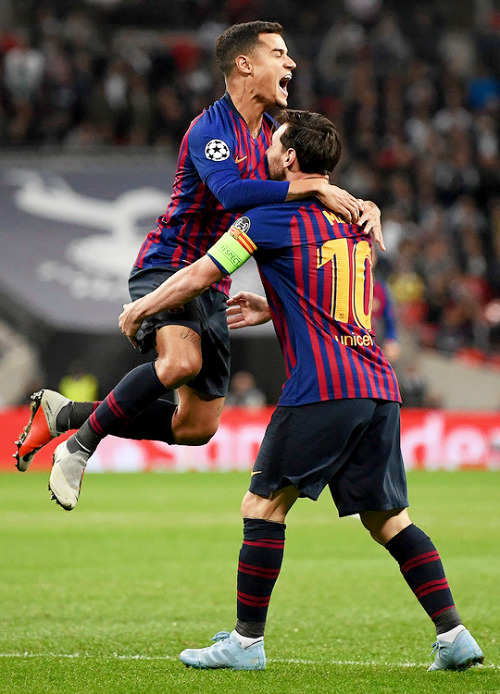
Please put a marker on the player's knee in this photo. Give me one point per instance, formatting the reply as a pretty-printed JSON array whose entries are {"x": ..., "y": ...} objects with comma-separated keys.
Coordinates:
[
  {"x": 249, "y": 507},
  {"x": 175, "y": 372},
  {"x": 372, "y": 522},
  {"x": 384, "y": 525},
  {"x": 254, "y": 506}
]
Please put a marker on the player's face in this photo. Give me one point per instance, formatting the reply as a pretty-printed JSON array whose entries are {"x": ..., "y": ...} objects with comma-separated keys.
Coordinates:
[
  {"x": 276, "y": 155},
  {"x": 272, "y": 70}
]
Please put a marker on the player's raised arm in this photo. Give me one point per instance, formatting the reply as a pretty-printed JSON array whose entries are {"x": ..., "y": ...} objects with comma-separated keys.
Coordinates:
[
  {"x": 230, "y": 252},
  {"x": 234, "y": 192},
  {"x": 214, "y": 160}
]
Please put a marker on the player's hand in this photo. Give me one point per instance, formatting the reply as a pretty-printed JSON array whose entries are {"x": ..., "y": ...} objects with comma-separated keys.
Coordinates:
[
  {"x": 130, "y": 322},
  {"x": 342, "y": 202},
  {"x": 246, "y": 308},
  {"x": 370, "y": 221}
]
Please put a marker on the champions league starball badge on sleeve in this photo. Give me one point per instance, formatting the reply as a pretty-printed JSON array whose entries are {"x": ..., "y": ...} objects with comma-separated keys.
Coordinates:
[{"x": 217, "y": 150}]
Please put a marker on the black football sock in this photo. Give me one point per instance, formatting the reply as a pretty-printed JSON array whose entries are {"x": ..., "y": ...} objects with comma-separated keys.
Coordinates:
[
  {"x": 137, "y": 391},
  {"x": 259, "y": 566},
  {"x": 422, "y": 569},
  {"x": 74, "y": 414},
  {"x": 155, "y": 424}
]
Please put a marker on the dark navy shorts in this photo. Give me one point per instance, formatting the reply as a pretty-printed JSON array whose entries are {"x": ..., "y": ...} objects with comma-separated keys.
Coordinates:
[
  {"x": 206, "y": 315},
  {"x": 353, "y": 446}
]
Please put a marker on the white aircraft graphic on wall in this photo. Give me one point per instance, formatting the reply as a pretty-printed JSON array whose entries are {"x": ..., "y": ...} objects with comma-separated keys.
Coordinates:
[{"x": 109, "y": 253}]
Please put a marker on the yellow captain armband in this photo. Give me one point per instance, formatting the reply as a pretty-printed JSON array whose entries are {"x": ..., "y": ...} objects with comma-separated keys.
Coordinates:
[{"x": 233, "y": 249}]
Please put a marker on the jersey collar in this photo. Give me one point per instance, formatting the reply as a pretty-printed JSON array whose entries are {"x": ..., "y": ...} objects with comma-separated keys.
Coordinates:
[{"x": 233, "y": 108}]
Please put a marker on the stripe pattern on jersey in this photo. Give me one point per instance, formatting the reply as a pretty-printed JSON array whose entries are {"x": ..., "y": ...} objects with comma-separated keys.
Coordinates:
[
  {"x": 195, "y": 219},
  {"x": 326, "y": 358}
]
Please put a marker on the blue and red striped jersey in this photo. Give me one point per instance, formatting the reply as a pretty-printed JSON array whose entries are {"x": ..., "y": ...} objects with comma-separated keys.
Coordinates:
[
  {"x": 317, "y": 274},
  {"x": 221, "y": 172}
]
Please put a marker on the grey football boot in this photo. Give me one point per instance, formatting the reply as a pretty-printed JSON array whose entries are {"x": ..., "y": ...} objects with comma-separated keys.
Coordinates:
[
  {"x": 460, "y": 654},
  {"x": 66, "y": 477}
]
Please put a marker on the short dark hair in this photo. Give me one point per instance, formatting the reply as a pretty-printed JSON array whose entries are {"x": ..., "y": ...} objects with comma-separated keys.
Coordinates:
[
  {"x": 314, "y": 138},
  {"x": 241, "y": 38}
]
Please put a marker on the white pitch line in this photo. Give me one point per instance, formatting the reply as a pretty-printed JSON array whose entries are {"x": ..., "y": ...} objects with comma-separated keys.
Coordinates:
[{"x": 285, "y": 661}]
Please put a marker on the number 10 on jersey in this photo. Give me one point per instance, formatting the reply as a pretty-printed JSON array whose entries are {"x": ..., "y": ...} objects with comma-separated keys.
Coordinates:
[{"x": 352, "y": 281}]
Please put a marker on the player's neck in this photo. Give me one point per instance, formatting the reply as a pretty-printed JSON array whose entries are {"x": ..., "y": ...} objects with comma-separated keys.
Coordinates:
[
  {"x": 299, "y": 176},
  {"x": 249, "y": 107}
]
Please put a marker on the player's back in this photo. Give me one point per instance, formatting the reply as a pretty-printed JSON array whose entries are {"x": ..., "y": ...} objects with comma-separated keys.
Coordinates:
[{"x": 317, "y": 273}]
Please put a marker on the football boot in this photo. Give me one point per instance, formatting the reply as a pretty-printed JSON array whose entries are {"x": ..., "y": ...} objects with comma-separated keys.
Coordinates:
[
  {"x": 41, "y": 428},
  {"x": 460, "y": 654},
  {"x": 66, "y": 476},
  {"x": 226, "y": 652}
]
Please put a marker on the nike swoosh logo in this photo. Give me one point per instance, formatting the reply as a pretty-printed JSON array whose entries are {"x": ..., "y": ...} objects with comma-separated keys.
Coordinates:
[
  {"x": 256, "y": 472},
  {"x": 239, "y": 160}
]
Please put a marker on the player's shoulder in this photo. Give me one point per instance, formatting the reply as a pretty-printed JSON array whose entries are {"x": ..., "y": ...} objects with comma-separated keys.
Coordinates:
[
  {"x": 273, "y": 210},
  {"x": 213, "y": 129},
  {"x": 268, "y": 223},
  {"x": 340, "y": 227},
  {"x": 214, "y": 115}
]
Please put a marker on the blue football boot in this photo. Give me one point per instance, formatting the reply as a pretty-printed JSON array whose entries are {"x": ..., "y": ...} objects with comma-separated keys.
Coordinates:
[
  {"x": 226, "y": 652},
  {"x": 461, "y": 654}
]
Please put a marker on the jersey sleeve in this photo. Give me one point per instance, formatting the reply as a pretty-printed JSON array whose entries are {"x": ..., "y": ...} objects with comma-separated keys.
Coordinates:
[
  {"x": 211, "y": 147},
  {"x": 253, "y": 231},
  {"x": 212, "y": 150},
  {"x": 267, "y": 227}
]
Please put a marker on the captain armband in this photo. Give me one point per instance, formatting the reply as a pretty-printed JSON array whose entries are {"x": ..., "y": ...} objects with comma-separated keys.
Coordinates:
[{"x": 232, "y": 250}]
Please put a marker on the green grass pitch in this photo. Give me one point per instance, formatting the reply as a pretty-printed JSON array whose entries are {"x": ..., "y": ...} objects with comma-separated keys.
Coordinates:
[{"x": 102, "y": 599}]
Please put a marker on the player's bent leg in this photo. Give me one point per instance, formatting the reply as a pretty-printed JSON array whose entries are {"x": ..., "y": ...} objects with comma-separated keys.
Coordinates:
[
  {"x": 179, "y": 355},
  {"x": 41, "y": 428},
  {"x": 179, "y": 359},
  {"x": 229, "y": 651},
  {"x": 197, "y": 417}
]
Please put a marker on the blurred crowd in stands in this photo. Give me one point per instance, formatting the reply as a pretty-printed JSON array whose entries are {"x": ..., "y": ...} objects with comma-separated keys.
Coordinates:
[{"x": 416, "y": 98}]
